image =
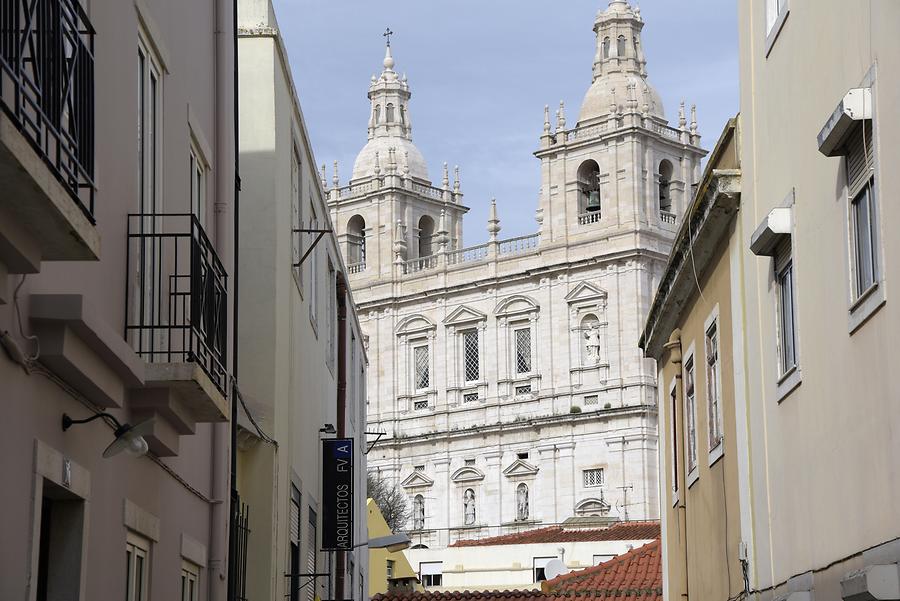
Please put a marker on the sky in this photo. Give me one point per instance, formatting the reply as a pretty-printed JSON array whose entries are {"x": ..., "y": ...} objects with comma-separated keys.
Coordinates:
[{"x": 480, "y": 73}]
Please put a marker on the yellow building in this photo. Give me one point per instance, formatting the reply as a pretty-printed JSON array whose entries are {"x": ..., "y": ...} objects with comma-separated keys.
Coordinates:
[
  {"x": 694, "y": 333},
  {"x": 388, "y": 570}
]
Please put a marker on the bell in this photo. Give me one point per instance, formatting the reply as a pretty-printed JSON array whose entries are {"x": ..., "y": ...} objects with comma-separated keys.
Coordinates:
[{"x": 593, "y": 202}]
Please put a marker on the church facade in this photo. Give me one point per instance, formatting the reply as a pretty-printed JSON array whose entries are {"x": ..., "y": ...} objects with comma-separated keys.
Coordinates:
[{"x": 506, "y": 376}]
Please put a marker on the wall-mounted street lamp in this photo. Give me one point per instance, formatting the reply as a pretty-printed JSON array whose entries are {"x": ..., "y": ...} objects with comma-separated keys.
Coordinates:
[
  {"x": 328, "y": 429},
  {"x": 127, "y": 437}
]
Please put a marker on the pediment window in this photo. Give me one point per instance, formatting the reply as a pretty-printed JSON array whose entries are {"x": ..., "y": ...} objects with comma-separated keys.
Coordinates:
[
  {"x": 417, "y": 480},
  {"x": 519, "y": 468},
  {"x": 467, "y": 474},
  {"x": 592, "y": 507}
]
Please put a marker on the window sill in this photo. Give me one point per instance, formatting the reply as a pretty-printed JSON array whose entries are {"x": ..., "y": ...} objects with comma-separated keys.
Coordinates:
[
  {"x": 865, "y": 307},
  {"x": 692, "y": 477},
  {"x": 717, "y": 452},
  {"x": 787, "y": 383},
  {"x": 772, "y": 36}
]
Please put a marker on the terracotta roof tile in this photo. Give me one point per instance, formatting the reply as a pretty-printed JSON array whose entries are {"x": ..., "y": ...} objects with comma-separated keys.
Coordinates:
[
  {"x": 558, "y": 534},
  {"x": 632, "y": 576}
]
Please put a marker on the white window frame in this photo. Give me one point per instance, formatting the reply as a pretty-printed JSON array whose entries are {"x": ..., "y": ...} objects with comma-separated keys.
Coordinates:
[
  {"x": 864, "y": 303},
  {"x": 776, "y": 14},
  {"x": 540, "y": 563},
  {"x": 585, "y": 477},
  {"x": 137, "y": 546},
  {"x": 713, "y": 381},
  {"x": 190, "y": 581},
  {"x": 789, "y": 376},
  {"x": 691, "y": 453},
  {"x": 199, "y": 176},
  {"x": 430, "y": 581}
]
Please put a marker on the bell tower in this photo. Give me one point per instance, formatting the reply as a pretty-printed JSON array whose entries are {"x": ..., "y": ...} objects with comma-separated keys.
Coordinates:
[
  {"x": 390, "y": 213},
  {"x": 622, "y": 168}
]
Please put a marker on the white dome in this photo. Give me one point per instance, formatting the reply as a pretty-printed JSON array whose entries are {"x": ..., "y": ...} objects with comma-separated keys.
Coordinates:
[
  {"x": 613, "y": 87},
  {"x": 365, "y": 160}
]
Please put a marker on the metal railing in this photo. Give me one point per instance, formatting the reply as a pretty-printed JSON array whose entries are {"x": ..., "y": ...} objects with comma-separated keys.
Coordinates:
[
  {"x": 177, "y": 294},
  {"x": 520, "y": 245},
  {"x": 588, "y": 218},
  {"x": 47, "y": 87}
]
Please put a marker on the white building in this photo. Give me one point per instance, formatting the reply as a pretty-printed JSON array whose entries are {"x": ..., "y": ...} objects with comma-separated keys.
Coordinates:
[{"x": 507, "y": 376}]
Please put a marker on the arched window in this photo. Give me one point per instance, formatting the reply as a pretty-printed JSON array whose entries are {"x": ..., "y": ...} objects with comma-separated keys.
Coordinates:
[
  {"x": 389, "y": 114},
  {"x": 356, "y": 240},
  {"x": 377, "y": 114},
  {"x": 665, "y": 181},
  {"x": 522, "y": 502},
  {"x": 426, "y": 233},
  {"x": 469, "y": 507},
  {"x": 620, "y": 47},
  {"x": 590, "y": 347},
  {"x": 419, "y": 512},
  {"x": 589, "y": 189},
  {"x": 402, "y": 115},
  {"x": 605, "y": 47}
]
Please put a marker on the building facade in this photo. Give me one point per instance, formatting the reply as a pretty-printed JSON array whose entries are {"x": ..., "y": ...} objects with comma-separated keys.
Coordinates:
[
  {"x": 506, "y": 377},
  {"x": 117, "y": 180},
  {"x": 303, "y": 363},
  {"x": 694, "y": 332},
  {"x": 819, "y": 139}
]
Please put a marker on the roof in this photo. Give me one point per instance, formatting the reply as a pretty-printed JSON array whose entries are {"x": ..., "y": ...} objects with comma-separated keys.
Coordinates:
[
  {"x": 636, "y": 575},
  {"x": 560, "y": 534}
]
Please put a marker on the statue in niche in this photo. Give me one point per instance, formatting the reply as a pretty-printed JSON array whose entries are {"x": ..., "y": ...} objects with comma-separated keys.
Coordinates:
[
  {"x": 522, "y": 503},
  {"x": 592, "y": 346},
  {"x": 469, "y": 507}
]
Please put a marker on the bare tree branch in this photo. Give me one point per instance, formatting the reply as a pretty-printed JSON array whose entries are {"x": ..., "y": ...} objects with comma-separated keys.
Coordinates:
[{"x": 391, "y": 500}]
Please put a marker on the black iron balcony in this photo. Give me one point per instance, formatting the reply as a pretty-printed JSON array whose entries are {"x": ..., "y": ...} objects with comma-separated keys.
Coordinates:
[
  {"x": 47, "y": 87},
  {"x": 177, "y": 294}
]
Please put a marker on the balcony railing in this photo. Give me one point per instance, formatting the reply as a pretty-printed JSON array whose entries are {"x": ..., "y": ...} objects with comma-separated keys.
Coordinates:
[
  {"x": 47, "y": 87},
  {"x": 666, "y": 216},
  {"x": 520, "y": 245},
  {"x": 177, "y": 294},
  {"x": 588, "y": 218},
  {"x": 356, "y": 267}
]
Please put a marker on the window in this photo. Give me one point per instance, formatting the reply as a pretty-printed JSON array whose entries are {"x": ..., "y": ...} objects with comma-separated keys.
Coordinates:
[
  {"x": 418, "y": 512},
  {"x": 431, "y": 573},
  {"x": 296, "y": 216},
  {"x": 598, "y": 559},
  {"x": 605, "y": 47},
  {"x": 620, "y": 46},
  {"x": 377, "y": 114},
  {"x": 149, "y": 148},
  {"x": 390, "y": 568},
  {"x": 356, "y": 241},
  {"x": 294, "y": 549},
  {"x": 190, "y": 582},
  {"x": 198, "y": 169},
  {"x": 523, "y": 390},
  {"x": 60, "y": 542},
  {"x": 593, "y": 477},
  {"x": 469, "y": 462},
  {"x": 523, "y": 351},
  {"x": 426, "y": 234},
  {"x": 665, "y": 181},
  {"x": 420, "y": 405},
  {"x": 332, "y": 316},
  {"x": 860, "y": 165},
  {"x": 421, "y": 367},
  {"x": 470, "y": 397},
  {"x": 690, "y": 411},
  {"x": 591, "y": 399},
  {"x": 787, "y": 310},
  {"x": 713, "y": 386},
  {"x": 311, "y": 553},
  {"x": 522, "y": 455},
  {"x": 389, "y": 113},
  {"x": 470, "y": 354},
  {"x": 522, "y": 502},
  {"x": 137, "y": 568},
  {"x": 419, "y": 468},
  {"x": 589, "y": 192},
  {"x": 313, "y": 261},
  {"x": 539, "y": 563}
]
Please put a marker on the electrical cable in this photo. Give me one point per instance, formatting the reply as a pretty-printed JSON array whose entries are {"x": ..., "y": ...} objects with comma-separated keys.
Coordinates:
[
  {"x": 37, "y": 343},
  {"x": 265, "y": 437}
]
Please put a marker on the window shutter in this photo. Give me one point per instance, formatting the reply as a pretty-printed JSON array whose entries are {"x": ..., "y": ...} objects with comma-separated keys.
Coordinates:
[
  {"x": 860, "y": 156},
  {"x": 295, "y": 523}
]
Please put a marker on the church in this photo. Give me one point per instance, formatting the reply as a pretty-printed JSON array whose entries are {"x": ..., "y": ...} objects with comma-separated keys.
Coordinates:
[{"x": 506, "y": 376}]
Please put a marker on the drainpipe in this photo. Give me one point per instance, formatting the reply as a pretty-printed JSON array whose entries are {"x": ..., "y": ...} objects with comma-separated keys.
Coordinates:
[{"x": 340, "y": 568}]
